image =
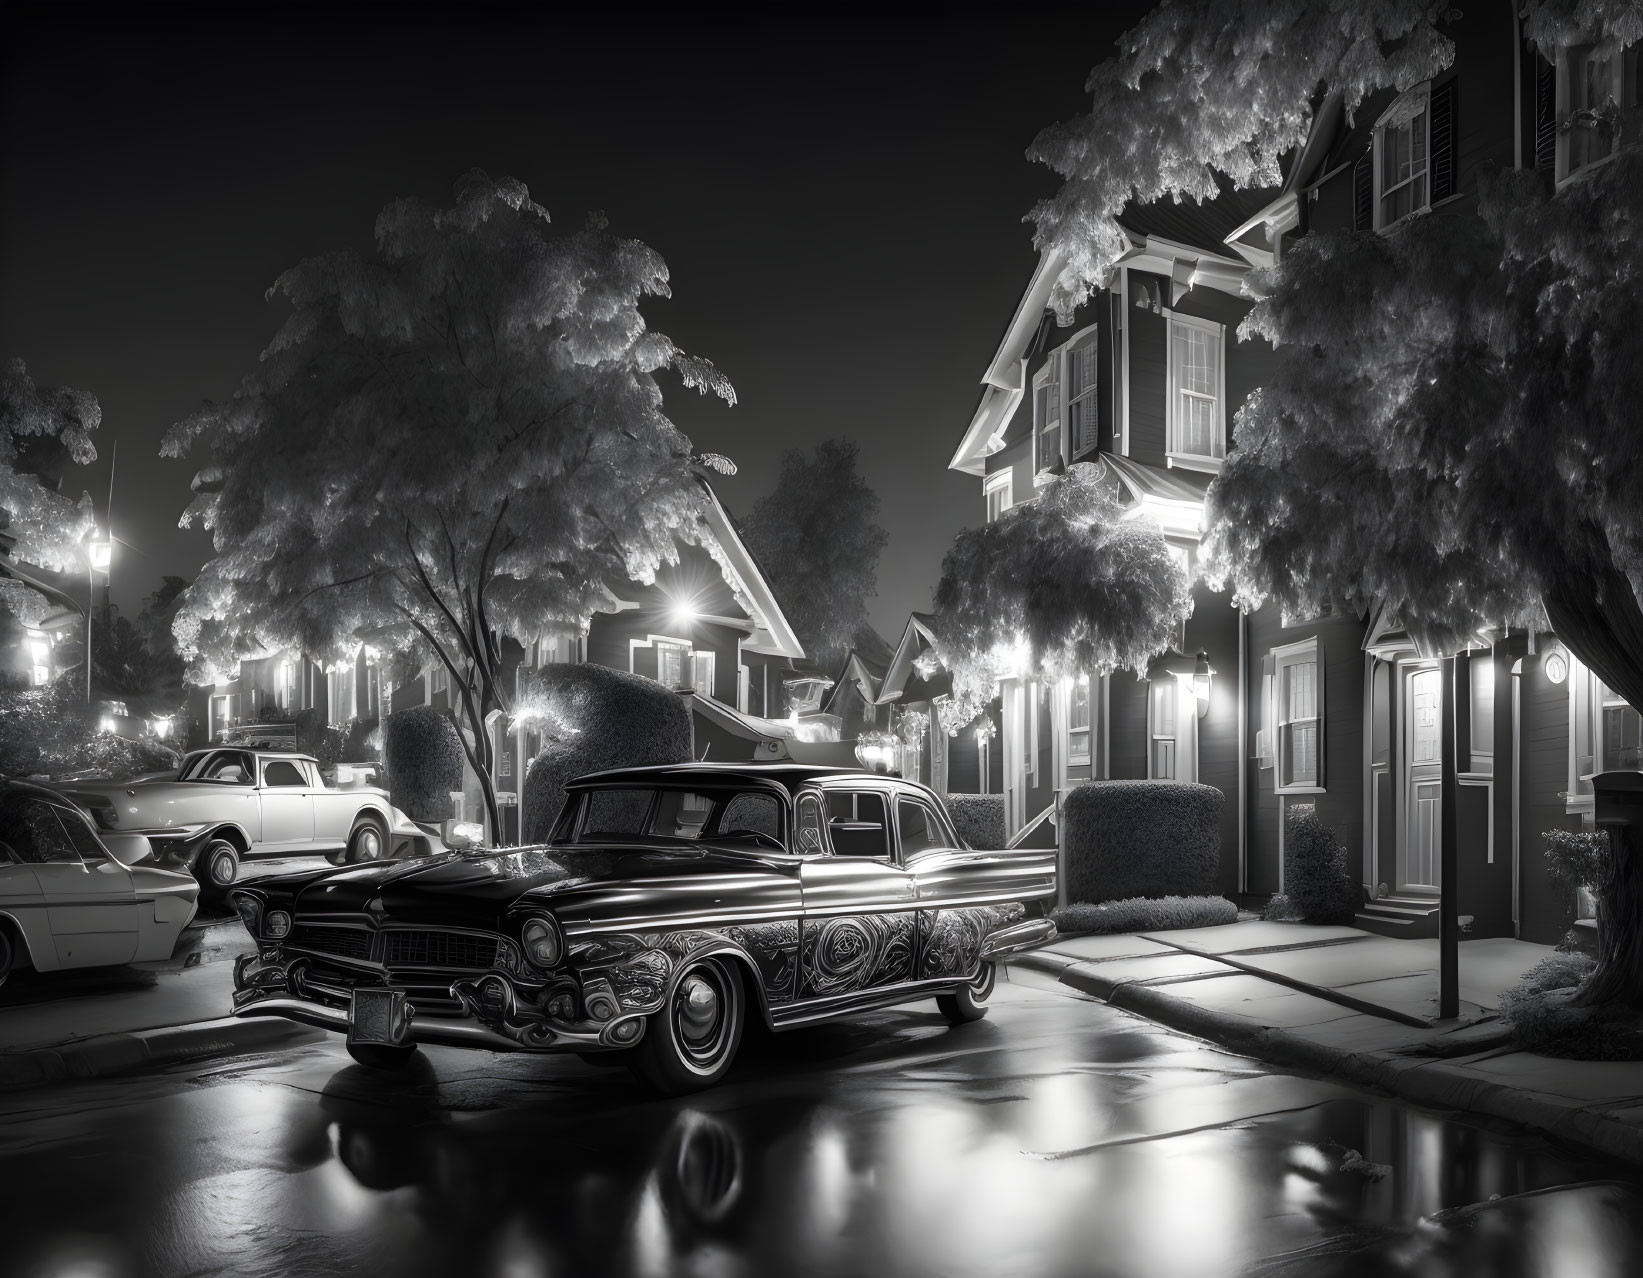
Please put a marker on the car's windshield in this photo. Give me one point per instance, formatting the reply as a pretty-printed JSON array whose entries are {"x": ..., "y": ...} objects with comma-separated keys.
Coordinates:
[
  {"x": 218, "y": 765},
  {"x": 671, "y": 814}
]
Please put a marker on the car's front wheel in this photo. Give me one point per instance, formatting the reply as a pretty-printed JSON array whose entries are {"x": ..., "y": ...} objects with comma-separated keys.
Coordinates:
[
  {"x": 367, "y": 843},
  {"x": 968, "y": 1002},
  {"x": 691, "y": 1042},
  {"x": 383, "y": 1055},
  {"x": 218, "y": 866}
]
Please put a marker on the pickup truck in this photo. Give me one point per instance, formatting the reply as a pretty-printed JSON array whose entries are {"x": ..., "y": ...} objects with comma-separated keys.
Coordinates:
[{"x": 228, "y": 803}]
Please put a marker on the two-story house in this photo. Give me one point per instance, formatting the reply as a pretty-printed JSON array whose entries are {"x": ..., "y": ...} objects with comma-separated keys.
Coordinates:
[{"x": 1337, "y": 712}]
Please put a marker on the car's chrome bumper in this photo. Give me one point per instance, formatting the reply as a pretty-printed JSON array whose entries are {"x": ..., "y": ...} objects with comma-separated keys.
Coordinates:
[
  {"x": 496, "y": 1014},
  {"x": 1018, "y": 936}
]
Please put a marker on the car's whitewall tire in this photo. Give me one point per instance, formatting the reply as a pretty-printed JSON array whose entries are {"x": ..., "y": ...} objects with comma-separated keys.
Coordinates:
[
  {"x": 691, "y": 1043},
  {"x": 969, "y": 1002}
]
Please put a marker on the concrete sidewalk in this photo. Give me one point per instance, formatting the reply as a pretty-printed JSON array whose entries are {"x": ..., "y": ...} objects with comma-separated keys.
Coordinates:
[{"x": 1362, "y": 1008}]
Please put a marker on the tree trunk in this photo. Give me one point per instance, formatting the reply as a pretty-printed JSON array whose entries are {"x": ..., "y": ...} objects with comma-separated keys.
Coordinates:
[
  {"x": 1592, "y": 608},
  {"x": 1618, "y": 978}
]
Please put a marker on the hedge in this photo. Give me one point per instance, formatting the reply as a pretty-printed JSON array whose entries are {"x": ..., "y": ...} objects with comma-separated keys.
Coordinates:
[
  {"x": 51, "y": 731},
  {"x": 1125, "y": 839},
  {"x": 978, "y": 818},
  {"x": 423, "y": 758},
  {"x": 609, "y": 719},
  {"x": 1316, "y": 881},
  {"x": 1146, "y": 914}
]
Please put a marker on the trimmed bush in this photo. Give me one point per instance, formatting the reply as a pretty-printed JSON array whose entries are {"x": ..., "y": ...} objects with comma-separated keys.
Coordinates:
[
  {"x": 423, "y": 757},
  {"x": 50, "y": 731},
  {"x": 1146, "y": 914},
  {"x": 1316, "y": 880},
  {"x": 1542, "y": 1019},
  {"x": 979, "y": 819},
  {"x": 1127, "y": 839},
  {"x": 606, "y": 719}
]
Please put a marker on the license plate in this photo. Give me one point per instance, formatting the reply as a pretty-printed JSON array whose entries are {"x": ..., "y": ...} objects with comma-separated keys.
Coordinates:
[{"x": 378, "y": 1016}]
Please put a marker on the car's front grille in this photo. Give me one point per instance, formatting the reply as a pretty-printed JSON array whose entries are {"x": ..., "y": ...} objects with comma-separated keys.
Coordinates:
[
  {"x": 404, "y": 948},
  {"x": 345, "y": 942}
]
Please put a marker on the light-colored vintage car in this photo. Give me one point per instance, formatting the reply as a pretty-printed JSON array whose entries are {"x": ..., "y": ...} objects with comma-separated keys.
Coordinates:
[
  {"x": 232, "y": 802},
  {"x": 69, "y": 898},
  {"x": 671, "y": 904}
]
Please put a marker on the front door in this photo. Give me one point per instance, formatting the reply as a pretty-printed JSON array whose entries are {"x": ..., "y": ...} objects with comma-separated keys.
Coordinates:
[
  {"x": 287, "y": 806},
  {"x": 1418, "y": 851},
  {"x": 859, "y": 920}
]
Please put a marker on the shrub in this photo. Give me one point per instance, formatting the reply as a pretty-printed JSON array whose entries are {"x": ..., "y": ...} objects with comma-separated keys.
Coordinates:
[
  {"x": 979, "y": 819},
  {"x": 423, "y": 757},
  {"x": 603, "y": 718},
  {"x": 317, "y": 737},
  {"x": 1280, "y": 909},
  {"x": 1316, "y": 880},
  {"x": 50, "y": 731},
  {"x": 1146, "y": 914},
  {"x": 1127, "y": 839},
  {"x": 1542, "y": 1019}
]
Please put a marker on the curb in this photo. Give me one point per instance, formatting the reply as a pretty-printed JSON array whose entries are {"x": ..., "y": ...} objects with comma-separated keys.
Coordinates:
[
  {"x": 109, "y": 1054},
  {"x": 1427, "y": 1083}
]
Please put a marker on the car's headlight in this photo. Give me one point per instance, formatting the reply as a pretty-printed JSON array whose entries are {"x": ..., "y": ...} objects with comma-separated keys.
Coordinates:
[
  {"x": 542, "y": 944},
  {"x": 277, "y": 924}
]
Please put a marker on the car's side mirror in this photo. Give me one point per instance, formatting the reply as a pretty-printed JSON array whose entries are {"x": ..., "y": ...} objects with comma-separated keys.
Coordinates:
[{"x": 459, "y": 836}]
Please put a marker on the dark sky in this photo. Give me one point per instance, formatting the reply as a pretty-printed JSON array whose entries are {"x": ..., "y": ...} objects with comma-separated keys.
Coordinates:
[{"x": 839, "y": 202}]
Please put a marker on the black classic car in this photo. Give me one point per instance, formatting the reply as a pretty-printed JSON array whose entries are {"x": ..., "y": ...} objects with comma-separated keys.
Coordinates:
[{"x": 671, "y": 904}]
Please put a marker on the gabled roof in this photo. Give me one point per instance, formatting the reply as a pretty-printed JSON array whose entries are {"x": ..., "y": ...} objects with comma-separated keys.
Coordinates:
[
  {"x": 916, "y": 636},
  {"x": 857, "y": 672},
  {"x": 772, "y": 633}
]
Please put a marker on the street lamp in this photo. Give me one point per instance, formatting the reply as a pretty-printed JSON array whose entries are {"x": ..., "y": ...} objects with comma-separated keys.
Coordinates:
[{"x": 99, "y": 557}]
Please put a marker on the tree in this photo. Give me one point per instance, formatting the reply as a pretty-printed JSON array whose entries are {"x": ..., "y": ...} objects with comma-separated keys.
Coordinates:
[
  {"x": 42, "y": 429},
  {"x": 816, "y": 541},
  {"x": 457, "y": 439},
  {"x": 1205, "y": 92},
  {"x": 1062, "y": 585}
]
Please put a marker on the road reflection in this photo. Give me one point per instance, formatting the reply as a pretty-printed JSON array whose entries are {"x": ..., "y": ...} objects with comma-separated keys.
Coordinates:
[{"x": 891, "y": 1178}]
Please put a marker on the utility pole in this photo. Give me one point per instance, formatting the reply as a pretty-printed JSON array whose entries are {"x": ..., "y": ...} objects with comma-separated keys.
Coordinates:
[{"x": 1449, "y": 859}]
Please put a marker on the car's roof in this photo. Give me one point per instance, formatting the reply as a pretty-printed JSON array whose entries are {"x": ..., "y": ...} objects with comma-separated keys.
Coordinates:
[
  {"x": 790, "y": 775},
  {"x": 283, "y": 752}
]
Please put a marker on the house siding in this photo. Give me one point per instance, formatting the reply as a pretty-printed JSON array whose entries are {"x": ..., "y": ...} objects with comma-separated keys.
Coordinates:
[{"x": 1147, "y": 372}]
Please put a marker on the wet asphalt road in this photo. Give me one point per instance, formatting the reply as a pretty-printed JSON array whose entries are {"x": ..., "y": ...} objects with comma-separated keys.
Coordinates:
[{"x": 1057, "y": 1137}]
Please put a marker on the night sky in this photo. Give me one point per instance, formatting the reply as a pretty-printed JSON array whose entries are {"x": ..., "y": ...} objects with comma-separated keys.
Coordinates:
[{"x": 839, "y": 202}]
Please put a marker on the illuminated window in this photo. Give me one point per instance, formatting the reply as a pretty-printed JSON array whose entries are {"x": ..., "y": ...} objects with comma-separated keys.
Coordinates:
[
  {"x": 1196, "y": 391},
  {"x": 701, "y": 670},
  {"x": 670, "y": 664},
  {"x": 1162, "y": 728}
]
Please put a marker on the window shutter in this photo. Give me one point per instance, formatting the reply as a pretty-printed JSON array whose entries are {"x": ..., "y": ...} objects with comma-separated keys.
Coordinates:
[
  {"x": 1545, "y": 114},
  {"x": 1363, "y": 192},
  {"x": 1443, "y": 141}
]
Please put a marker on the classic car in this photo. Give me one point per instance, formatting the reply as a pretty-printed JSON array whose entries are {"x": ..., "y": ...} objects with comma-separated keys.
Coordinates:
[
  {"x": 231, "y": 802},
  {"x": 670, "y": 904},
  {"x": 70, "y": 898}
]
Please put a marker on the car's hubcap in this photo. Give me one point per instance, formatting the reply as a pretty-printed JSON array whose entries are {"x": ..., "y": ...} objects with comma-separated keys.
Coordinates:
[
  {"x": 370, "y": 846},
  {"x": 222, "y": 868},
  {"x": 698, "y": 1010}
]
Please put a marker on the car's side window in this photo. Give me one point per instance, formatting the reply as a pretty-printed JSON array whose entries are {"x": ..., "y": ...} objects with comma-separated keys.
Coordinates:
[
  {"x": 282, "y": 772},
  {"x": 616, "y": 813},
  {"x": 920, "y": 831},
  {"x": 80, "y": 834},
  {"x": 856, "y": 824},
  {"x": 761, "y": 813},
  {"x": 808, "y": 839},
  {"x": 35, "y": 834}
]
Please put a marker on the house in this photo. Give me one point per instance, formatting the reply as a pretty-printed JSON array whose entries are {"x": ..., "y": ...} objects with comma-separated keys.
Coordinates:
[{"x": 1336, "y": 712}]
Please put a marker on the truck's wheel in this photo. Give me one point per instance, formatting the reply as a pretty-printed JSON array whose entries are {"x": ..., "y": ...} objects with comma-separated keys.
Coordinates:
[
  {"x": 968, "y": 1002},
  {"x": 217, "y": 866},
  {"x": 691, "y": 1042},
  {"x": 367, "y": 843},
  {"x": 382, "y": 1055}
]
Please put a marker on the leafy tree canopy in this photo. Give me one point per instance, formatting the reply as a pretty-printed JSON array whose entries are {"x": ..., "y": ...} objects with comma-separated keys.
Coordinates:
[
  {"x": 42, "y": 429},
  {"x": 1060, "y": 585},
  {"x": 1451, "y": 427},
  {"x": 1202, "y": 88},
  {"x": 457, "y": 438},
  {"x": 816, "y": 540}
]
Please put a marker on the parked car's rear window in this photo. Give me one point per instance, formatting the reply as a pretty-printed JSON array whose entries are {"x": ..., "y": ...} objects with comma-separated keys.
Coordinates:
[{"x": 670, "y": 813}]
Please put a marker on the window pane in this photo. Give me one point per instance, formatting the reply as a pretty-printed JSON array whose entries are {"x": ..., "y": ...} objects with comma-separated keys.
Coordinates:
[
  {"x": 680, "y": 814},
  {"x": 1163, "y": 707},
  {"x": 864, "y": 834},
  {"x": 702, "y": 669},
  {"x": 1301, "y": 694},
  {"x": 80, "y": 834},
  {"x": 34, "y": 833},
  {"x": 758, "y": 812},
  {"x": 810, "y": 826},
  {"x": 1197, "y": 425},
  {"x": 1163, "y": 760},
  {"x": 916, "y": 835},
  {"x": 1078, "y": 705},
  {"x": 1302, "y": 753},
  {"x": 282, "y": 772},
  {"x": 1622, "y": 739}
]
